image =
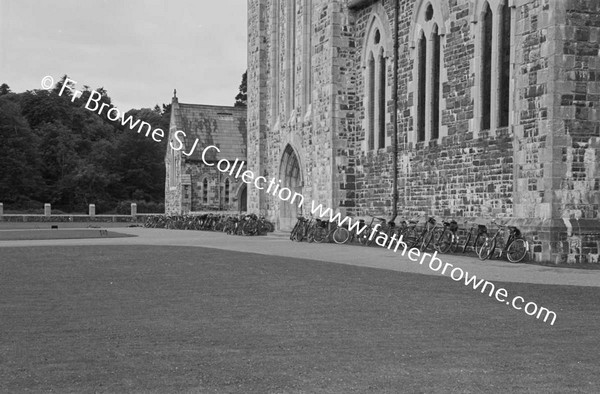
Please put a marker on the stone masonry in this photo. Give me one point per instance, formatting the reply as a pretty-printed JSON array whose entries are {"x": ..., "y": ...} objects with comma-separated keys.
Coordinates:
[
  {"x": 307, "y": 87},
  {"x": 192, "y": 185}
]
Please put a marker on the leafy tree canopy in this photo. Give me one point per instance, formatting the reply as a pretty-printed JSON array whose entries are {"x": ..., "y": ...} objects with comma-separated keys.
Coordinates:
[
  {"x": 55, "y": 150},
  {"x": 241, "y": 100}
]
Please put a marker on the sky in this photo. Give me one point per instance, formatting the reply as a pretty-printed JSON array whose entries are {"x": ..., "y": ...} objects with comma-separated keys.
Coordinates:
[{"x": 138, "y": 50}]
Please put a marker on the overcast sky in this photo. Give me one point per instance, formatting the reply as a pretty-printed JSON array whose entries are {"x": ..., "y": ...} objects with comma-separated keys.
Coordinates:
[{"x": 138, "y": 50}]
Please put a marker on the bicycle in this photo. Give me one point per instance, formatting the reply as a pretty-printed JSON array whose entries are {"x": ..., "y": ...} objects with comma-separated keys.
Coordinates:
[
  {"x": 421, "y": 239},
  {"x": 443, "y": 241},
  {"x": 367, "y": 238},
  {"x": 478, "y": 238},
  {"x": 516, "y": 247},
  {"x": 300, "y": 229},
  {"x": 342, "y": 235}
]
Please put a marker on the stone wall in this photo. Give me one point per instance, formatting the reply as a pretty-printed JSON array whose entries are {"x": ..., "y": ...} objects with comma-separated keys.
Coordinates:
[
  {"x": 540, "y": 173},
  {"x": 464, "y": 173},
  {"x": 576, "y": 137},
  {"x": 173, "y": 188},
  {"x": 215, "y": 200}
]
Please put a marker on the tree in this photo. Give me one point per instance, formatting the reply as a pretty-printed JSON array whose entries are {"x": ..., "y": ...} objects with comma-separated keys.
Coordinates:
[
  {"x": 139, "y": 160},
  {"x": 53, "y": 149},
  {"x": 19, "y": 179},
  {"x": 241, "y": 99},
  {"x": 4, "y": 89}
]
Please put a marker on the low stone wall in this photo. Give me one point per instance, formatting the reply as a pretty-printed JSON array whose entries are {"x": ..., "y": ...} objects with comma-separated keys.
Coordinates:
[{"x": 140, "y": 218}]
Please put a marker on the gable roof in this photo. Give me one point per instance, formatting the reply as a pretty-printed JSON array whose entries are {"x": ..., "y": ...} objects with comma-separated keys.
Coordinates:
[{"x": 224, "y": 127}]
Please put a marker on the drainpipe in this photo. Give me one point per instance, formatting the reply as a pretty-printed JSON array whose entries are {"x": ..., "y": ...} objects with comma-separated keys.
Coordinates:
[{"x": 395, "y": 114}]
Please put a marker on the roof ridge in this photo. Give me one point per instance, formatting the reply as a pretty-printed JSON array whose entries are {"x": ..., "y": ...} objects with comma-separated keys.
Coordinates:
[{"x": 214, "y": 106}]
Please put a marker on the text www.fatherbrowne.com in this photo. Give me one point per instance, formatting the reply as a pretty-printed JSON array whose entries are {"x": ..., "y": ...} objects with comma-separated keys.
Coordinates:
[
  {"x": 435, "y": 264},
  {"x": 286, "y": 195}
]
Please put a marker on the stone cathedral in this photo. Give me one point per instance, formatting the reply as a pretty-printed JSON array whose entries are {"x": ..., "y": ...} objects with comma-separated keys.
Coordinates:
[{"x": 464, "y": 109}]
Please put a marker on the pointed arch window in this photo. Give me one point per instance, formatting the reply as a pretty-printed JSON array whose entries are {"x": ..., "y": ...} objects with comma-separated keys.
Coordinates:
[
  {"x": 371, "y": 102},
  {"x": 376, "y": 86},
  {"x": 505, "y": 60},
  {"x": 486, "y": 67},
  {"x": 435, "y": 83},
  {"x": 381, "y": 101},
  {"x": 495, "y": 64},
  {"x": 421, "y": 86},
  {"x": 427, "y": 72}
]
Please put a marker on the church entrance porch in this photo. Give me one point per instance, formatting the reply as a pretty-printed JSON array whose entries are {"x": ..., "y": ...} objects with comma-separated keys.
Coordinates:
[
  {"x": 243, "y": 199},
  {"x": 291, "y": 178}
]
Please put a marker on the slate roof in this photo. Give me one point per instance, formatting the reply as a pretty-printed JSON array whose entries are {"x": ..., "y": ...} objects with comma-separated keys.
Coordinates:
[{"x": 224, "y": 127}]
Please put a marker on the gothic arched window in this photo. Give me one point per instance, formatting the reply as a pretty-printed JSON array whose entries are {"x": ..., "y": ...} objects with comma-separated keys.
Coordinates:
[
  {"x": 435, "y": 83},
  {"x": 375, "y": 62},
  {"x": 421, "y": 86},
  {"x": 494, "y": 53},
  {"x": 486, "y": 67},
  {"x": 427, "y": 83}
]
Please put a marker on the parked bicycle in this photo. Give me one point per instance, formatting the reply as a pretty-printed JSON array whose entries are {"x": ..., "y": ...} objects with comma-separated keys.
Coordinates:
[
  {"x": 515, "y": 247},
  {"x": 343, "y": 235},
  {"x": 300, "y": 229},
  {"x": 416, "y": 237},
  {"x": 325, "y": 231},
  {"x": 476, "y": 234},
  {"x": 444, "y": 238}
]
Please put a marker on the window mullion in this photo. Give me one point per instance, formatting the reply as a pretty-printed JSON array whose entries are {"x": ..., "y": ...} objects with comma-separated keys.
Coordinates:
[{"x": 496, "y": 59}]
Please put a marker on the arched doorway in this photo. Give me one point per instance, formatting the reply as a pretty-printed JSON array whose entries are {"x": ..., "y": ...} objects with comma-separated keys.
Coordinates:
[
  {"x": 243, "y": 199},
  {"x": 291, "y": 177}
]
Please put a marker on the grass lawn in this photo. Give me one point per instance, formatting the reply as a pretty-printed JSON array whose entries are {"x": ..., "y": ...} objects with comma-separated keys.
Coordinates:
[{"x": 169, "y": 319}]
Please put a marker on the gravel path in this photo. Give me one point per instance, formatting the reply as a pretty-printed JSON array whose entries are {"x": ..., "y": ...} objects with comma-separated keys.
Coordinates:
[{"x": 278, "y": 244}]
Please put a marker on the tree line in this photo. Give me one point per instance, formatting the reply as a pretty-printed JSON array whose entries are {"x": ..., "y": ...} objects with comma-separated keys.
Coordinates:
[{"x": 53, "y": 150}]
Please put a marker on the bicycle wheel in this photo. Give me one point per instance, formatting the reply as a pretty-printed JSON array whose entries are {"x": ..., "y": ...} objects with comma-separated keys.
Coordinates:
[
  {"x": 320, "y": 234},
  {"x": 248, "y": 228},
  {"x": 410, "y": 237},
  {"x": 300, "y": 233},
  {"x": 463, "y": 247},
  {"x": 427, "y": 239},
  {"x": 445, "y": 241},
  {"x": 487, "y": 249},
  {"x": 341, "y": 235},
  {"x": 363, "y": 238},
  {"x": 270, "y": 226},
  {"x": 517, "y": 250},
  {"x": 454, "y": 247},
  {"x": 261, "y": 229},
  {"x": 310, "y": 234},
  {"x": 294, "y": 231}
]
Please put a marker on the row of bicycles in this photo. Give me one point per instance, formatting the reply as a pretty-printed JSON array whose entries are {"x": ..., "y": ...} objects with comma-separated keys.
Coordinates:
[
  {"x": 249, "y": 224},
  {"x": 431, "y": 234}
]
